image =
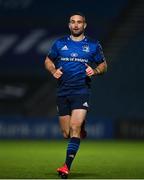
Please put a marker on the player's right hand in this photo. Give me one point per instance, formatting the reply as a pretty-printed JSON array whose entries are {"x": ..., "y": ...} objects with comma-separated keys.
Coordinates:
[
  {"x": 89, "y": 70},
  {"x": 58, "y": 73}
]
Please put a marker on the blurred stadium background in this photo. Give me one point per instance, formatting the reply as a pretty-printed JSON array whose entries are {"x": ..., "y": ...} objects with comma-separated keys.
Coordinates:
[{"x": 27, "y": 91}]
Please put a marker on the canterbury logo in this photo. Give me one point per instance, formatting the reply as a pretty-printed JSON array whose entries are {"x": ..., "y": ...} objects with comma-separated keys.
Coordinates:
[
  {"x": 85, "y": 104},
  {"x": 64, "y": 48}
]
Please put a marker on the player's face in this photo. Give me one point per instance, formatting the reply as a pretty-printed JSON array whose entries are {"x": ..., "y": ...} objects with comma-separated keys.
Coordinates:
[{"x": 77, "y": 25}]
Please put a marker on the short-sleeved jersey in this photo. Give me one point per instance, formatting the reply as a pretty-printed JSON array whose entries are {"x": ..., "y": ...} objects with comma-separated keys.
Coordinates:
[{"x": 71, "y": 56}]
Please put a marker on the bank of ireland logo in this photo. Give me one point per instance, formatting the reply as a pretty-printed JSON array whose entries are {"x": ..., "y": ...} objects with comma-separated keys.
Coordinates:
[
  {"x": 74, "y": 54},
  {"x": 85, "y": 48}
]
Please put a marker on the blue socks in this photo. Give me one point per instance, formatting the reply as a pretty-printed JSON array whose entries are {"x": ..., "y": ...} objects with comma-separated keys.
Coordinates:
[{"x": 72, "y": 149}]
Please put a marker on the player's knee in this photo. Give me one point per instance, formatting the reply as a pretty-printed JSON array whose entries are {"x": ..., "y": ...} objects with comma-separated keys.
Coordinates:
[{"x": 75, "y": 129}]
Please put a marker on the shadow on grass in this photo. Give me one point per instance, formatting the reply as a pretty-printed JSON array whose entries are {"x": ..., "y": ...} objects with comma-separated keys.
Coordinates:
[
  {"x": 72, "y": 176},
  {"x": 83, "y": 175}
]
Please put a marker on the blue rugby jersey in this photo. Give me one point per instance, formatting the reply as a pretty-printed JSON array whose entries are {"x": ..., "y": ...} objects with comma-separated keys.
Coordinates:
[{"x": 71, "y": 56}]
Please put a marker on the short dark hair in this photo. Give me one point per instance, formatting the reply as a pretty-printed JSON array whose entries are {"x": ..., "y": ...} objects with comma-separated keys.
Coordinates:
[{"x": 78, "y": 13}]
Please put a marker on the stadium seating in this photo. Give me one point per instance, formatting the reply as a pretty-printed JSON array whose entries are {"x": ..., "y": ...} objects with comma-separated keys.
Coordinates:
[{"x": 118, "y": 26}]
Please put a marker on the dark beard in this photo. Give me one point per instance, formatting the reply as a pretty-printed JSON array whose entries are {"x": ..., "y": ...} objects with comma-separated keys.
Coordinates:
[{"x": 77, "y": 34}]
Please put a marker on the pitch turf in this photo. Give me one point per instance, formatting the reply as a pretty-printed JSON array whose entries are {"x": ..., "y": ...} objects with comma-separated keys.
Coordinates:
[{"x": 95, "y": 159}]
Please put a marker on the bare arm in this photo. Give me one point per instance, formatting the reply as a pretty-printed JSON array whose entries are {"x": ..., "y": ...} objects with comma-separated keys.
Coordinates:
[
  {"x": 100, "y": 69},
  {"x": 49, "y": 65}
]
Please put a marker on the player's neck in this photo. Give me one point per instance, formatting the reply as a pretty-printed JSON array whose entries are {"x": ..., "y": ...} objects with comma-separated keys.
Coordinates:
[{"x": 77, "y": 38}]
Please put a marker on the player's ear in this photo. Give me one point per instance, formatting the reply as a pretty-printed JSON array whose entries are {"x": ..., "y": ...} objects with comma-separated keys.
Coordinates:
[
  {"x": 69, "y": 25},
  {"x": 85, "y": 25}
]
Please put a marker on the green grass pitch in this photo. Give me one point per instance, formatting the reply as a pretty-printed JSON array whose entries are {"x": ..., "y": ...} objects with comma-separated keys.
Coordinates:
[{"x": 95, "y": 159}]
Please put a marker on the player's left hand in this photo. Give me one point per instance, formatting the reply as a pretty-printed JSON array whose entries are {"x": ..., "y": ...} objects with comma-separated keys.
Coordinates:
[{"x": 89, "y": 70}]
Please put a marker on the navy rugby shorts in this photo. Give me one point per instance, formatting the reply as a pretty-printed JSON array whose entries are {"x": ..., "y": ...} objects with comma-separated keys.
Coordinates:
[{"x": 65, "y": 104}]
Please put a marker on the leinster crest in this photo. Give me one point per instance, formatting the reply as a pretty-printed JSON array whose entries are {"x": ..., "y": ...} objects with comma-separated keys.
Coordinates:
[{"x": 85, "y": 48}]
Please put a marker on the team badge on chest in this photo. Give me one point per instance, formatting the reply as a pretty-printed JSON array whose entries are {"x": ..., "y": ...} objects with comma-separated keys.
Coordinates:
[{"x": 85, "y": 48}]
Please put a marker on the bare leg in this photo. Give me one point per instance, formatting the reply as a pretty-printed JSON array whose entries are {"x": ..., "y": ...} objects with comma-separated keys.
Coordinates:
[
  {"x": 65, "y": 125},
  {"x": 77, "y": 118},
  {"x": 75, "y": 122}
]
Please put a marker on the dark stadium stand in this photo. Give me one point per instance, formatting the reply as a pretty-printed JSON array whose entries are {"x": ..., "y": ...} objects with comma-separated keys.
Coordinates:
[
  {"x": 118, "y": 25},
  {"x": 122, "y": 86}
]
